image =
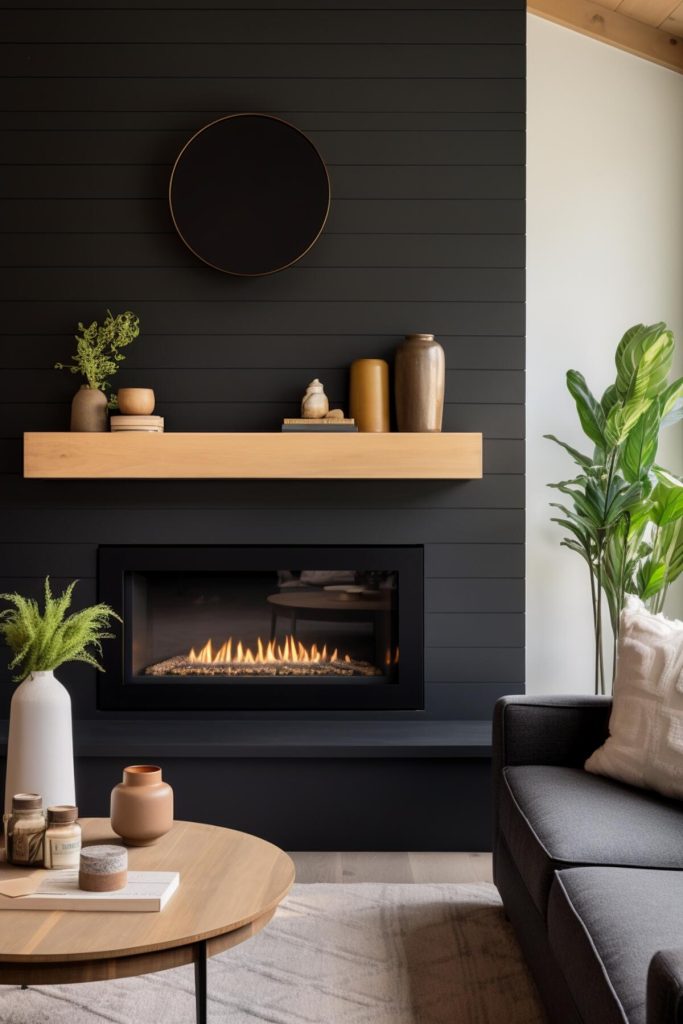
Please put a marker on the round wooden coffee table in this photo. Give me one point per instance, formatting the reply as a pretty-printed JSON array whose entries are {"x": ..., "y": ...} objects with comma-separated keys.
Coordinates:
[{"x": 230, "y": 886}]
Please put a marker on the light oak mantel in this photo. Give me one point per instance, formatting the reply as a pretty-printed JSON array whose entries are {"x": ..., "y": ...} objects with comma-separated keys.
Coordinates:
[{"x": 248, "y": 456}]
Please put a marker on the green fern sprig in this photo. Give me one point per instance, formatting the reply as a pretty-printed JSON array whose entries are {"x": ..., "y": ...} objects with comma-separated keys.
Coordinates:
[
  {"x": 41, "y": 641},
  {"x": 98, "y": 348}
]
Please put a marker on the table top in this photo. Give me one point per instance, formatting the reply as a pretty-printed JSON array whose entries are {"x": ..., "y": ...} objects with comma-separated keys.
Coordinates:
[
  {"x": 228, "y": 879},
  {"x": 333, "y": 600}
]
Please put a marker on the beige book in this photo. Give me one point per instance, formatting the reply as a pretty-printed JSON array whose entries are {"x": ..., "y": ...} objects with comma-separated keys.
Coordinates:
[{"x": 58, "y": 890}]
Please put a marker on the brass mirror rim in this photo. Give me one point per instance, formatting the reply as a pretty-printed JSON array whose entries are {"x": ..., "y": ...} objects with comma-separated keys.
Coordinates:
[{"x": 270, "y": 117}]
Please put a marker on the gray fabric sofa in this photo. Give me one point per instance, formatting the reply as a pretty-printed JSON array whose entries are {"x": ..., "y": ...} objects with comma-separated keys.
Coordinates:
[{"x": 590, "y": 871}]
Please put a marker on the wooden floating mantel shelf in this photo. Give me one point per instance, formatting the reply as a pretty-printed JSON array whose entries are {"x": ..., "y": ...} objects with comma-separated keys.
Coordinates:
[{"x": 246, "y": 456}]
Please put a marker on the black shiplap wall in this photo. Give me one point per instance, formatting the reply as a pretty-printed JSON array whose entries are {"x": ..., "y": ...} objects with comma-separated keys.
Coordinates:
[{"x": 419, "y": 114}]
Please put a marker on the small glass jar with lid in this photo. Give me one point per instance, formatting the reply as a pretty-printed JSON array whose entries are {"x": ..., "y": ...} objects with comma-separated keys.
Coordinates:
[
  {"x": 25, "y": 830},
  {"x": 63, "y": 837}
]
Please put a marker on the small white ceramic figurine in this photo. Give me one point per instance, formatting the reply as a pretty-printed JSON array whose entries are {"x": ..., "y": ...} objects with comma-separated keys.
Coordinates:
[{"x": 314, "y": 404}]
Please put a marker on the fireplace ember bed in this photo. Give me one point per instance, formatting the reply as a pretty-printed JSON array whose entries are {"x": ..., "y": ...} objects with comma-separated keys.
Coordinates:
[{"x": 254, "y": 628}]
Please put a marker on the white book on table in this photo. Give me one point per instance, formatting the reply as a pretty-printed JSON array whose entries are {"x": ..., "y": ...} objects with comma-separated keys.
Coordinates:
[{"x": 146, "y": 891}]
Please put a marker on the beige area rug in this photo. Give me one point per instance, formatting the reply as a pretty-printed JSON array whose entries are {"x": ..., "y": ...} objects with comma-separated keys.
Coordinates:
[{"x": 333, "y": 954}]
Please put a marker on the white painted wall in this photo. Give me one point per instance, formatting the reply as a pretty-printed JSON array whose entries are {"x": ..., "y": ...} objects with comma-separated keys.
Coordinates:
[{"x": 605, "y": 250}]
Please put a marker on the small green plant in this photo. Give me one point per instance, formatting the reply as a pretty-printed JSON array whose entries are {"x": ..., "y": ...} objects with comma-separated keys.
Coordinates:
[
  {"x": 98, "y": 348},
  {"x": 40, "y": 641}
]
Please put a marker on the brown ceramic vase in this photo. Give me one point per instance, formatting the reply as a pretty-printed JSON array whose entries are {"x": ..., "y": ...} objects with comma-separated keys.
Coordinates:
[
  {"x": 89, "y": 410},
  {"x": 420, "y": 384},
  {"x": 141, "y": 805}
]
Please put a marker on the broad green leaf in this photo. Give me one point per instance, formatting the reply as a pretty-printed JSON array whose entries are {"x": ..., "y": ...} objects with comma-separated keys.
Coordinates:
[
  {"x": 623, "y": 418},
  {"x": 610, "y": 398},
  {"x": 639, "y": 452},
  {"x": 589, "y": 409},
  {"x": 667, "y": 498},
  {"x": 670, "y": 397},
  {"x": 584, "y": 461},
  {"x": 643, "y": 360},
  {"x": 674, "y": 416},
  {"x": 651, "y": 578}
]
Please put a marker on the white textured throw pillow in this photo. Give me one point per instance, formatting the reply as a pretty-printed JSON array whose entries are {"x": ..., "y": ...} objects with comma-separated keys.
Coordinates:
[{"x": 645, "y": 744}]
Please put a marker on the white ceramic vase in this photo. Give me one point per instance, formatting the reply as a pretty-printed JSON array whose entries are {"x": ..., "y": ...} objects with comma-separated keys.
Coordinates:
[{"x": 40, "y": 756}]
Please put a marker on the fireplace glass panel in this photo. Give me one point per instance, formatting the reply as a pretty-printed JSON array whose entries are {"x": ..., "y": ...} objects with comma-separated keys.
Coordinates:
[{"x": 293, "y": 624}]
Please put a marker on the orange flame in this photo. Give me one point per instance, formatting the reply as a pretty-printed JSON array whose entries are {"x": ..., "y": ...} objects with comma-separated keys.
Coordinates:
[{"x": 292, "y": 652}]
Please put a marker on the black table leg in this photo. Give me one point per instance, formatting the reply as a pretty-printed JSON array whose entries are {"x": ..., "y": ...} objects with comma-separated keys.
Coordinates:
[{"x": 200, "y": 983}]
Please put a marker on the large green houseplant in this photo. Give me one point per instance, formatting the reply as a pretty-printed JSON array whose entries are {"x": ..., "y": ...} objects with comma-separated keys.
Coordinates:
[
  {"x": 622, "y": 511},
  {"x": 40, "y": 748}
]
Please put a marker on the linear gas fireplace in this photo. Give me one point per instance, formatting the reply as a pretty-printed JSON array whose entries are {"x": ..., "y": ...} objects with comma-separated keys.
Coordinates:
[{"x": 253, "y": 628}]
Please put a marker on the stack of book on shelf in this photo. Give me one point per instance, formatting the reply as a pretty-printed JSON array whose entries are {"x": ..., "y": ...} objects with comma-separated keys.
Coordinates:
[
  {"x": 324, "y": 426},
  {"x": 146, "y": 424}
]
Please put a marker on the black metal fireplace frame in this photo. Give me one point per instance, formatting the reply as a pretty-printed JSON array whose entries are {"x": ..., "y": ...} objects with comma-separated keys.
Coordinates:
[{"x": 118, "y": 689}]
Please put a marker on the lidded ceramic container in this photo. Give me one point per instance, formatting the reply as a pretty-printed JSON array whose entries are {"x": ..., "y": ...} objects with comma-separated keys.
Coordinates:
[{"x": 141, "y": 805}]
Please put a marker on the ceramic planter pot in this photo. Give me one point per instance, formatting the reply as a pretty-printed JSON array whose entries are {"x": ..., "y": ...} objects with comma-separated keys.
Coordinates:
[
  {"x": 136, "y": 401},
  {"x": 89, "y": 410},
  {"x": 420, "y": 384},
  {"x": 40, "y": 755},
  {"x": 141, "y": 805}
]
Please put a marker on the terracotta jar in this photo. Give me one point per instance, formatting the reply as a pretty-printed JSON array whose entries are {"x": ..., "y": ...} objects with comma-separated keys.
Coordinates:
[
  {"x": 420, "y": 384},
  {"x": 369, "y": 395},
  {"x": 136, "y": 401},
  {"x": 89, "y": 410},
  {"x": 141, "y": 805}
]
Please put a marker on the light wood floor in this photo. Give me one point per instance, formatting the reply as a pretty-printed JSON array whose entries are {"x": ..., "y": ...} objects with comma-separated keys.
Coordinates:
[{"x": 392, "y": 867}]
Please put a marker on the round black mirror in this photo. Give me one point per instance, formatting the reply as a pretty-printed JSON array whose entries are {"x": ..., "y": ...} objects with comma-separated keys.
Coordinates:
[{"x": 249, "y": 194}]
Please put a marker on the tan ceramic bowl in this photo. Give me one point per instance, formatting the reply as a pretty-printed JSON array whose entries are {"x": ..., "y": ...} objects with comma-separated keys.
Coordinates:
[{"x": 136, "y": 401}]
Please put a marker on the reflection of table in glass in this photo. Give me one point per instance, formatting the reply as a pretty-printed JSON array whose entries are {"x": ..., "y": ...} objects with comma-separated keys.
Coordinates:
[{"x": 329, "y": 606}]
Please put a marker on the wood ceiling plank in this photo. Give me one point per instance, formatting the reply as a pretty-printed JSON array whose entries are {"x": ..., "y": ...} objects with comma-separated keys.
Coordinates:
[
  {"x": 674, "y": 23},
  {"x": 652, "y": 12},
  {"x": 613, "y": 28}
]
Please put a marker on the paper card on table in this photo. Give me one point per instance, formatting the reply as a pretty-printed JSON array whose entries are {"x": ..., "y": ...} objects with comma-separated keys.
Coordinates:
[{"x": 19, "y": 881}]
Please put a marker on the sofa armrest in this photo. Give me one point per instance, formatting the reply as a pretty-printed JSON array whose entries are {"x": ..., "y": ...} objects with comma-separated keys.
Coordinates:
[
  {"x": 665, "y": 988},
  {"x": 548, "y": 730},
  {"x": 544, "y": 730}
]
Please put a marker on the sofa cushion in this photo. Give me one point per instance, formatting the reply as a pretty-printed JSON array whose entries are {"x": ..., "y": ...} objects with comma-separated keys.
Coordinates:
[
  {"x": 554, "y": 817},
  {"x": 604, "y": 927},
  {"x": 645, "y": 744}
]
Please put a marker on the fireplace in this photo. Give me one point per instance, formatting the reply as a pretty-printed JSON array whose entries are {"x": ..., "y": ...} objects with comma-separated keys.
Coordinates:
[{"x": 257, "y": 628}]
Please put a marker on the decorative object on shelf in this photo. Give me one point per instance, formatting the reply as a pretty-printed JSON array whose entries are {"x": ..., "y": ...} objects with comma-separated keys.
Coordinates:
[
  {"x": 314, "y": 404},
  {"x": 89, "y": 410},
  {"x": 624, "y": 513},
  {"x": 137, "y": 424},
  {"x": 97, "y": 357},
  {"x": 103, "y": 868},
  {"x": 62, "y": 838},
  {"x": 370, "y": 395},
  {"x": 420, "y": 384},
  {"x": 135, "y": 401},
  {"x": 249, "y": 194},
  {"x": 327, "y": 425},
  {"x": 141, "y": 805},
  {"x": 40, "y": 745},
  {"x": 25, "y": 829}
]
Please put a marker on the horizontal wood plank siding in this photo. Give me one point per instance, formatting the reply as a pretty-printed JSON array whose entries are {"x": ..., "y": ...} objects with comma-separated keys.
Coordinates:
[{"x": 418, "y": 112}]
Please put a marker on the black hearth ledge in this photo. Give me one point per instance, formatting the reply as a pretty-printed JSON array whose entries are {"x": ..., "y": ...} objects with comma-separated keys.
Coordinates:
[{"x": 278, "y": 739}]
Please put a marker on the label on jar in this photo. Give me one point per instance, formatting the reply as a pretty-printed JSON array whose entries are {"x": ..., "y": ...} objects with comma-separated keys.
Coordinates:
[
  {"x": 26, "y": 847},
  {"x": 63, "y": 853}
]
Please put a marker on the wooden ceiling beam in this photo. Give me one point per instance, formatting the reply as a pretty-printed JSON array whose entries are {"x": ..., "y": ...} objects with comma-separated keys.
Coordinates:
[{"x": 613, "y": 28}]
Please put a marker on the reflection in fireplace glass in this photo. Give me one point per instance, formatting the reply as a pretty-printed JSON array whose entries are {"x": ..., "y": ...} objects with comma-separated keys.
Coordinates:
[{"x": 263, "y": 626}]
